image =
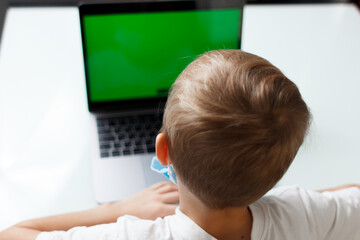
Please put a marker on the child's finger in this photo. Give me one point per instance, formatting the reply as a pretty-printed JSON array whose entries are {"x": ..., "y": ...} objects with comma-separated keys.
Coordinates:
[
  {"x": 168, "y": 187},
  {"x": 158, "y": 185},
  {"x": 170, "y": 197}
]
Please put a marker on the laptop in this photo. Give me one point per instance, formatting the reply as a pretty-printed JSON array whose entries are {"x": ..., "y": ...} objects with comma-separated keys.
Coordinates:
[{"x": 133, "y": 52}]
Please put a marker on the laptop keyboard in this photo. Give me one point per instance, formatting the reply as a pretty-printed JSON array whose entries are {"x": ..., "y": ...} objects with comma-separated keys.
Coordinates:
[{"x": 119, "y": 136}]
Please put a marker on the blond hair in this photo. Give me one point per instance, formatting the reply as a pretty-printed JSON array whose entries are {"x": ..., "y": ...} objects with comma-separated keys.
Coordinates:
[{"x": 233, "y": 124}]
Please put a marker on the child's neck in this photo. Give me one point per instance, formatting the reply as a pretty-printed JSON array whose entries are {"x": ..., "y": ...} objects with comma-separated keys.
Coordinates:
[{"x": 229, "y": 223}]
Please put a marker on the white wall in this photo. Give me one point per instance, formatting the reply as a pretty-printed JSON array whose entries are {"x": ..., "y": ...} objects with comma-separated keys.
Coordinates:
[{"x": 318, "y": 47}]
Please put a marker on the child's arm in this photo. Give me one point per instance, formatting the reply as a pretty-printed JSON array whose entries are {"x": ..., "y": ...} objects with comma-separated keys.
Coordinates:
[
  {"x": 153, "y": 202},
  {"x": 339, "y": 188}
]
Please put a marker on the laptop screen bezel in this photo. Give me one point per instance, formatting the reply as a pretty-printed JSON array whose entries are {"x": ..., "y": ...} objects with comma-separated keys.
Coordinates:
[{"x": 86, "y": 9}]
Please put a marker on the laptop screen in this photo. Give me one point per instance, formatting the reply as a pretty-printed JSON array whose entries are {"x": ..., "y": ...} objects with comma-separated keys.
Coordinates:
[{"x": 138, "y": 55}]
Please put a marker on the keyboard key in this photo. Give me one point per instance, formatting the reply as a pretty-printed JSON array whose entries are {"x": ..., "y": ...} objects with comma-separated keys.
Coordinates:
[
  {"x": 151, "y": 149},
  {"x": 101, "y": 123},
  {"x": 138, "y": 151},
  {"x": 126, "y": 152},
  {"x": 117, "y": 145},
  {"x": 138, "y": 142},
  {"x": 104, "y": 154},
  {"x": 116, "y": 153},
  {"x": 150, "y": 141},
  {"x": 105, "y": 146},
  {"x": 107, "y": 138},
  {"x": 112, "y": 122},
  {"x": 127, "y": 144},
  {"x": 104, "y": 131}
]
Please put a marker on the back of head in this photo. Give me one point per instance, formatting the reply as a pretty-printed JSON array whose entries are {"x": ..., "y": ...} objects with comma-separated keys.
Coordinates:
[{"x": 233, "y": 124}]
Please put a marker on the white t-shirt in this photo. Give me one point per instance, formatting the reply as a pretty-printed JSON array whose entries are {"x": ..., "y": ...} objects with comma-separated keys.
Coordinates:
[{"x": 284, "y": 213}]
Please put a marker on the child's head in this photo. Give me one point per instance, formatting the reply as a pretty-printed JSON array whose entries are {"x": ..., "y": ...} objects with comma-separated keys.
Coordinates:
[{"x": 233, "y": 124}]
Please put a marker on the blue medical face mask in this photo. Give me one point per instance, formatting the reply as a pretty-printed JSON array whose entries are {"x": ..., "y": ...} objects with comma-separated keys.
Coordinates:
[{"x": 167, "y": 171}]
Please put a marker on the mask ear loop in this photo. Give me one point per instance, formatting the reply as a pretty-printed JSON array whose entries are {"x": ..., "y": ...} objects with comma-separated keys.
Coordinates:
[{"x": 170, "y": 173}]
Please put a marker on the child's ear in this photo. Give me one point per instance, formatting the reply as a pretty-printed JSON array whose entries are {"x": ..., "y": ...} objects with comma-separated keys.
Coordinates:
[{"x": 162, "y": 149}]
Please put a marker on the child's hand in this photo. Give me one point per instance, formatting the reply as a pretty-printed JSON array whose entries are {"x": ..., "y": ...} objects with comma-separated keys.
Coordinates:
[{"x": 156, "y": 201}]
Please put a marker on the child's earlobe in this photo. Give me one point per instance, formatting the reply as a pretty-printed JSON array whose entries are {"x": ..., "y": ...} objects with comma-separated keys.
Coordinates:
[{"x": 161, "y": 149}]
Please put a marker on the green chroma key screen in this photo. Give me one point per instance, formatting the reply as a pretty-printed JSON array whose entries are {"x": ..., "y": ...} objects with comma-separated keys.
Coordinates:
[{"x": 139, "y": 55}]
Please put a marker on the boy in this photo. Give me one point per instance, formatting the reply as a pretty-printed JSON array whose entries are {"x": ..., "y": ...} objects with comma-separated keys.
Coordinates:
[{"x": 233, "y": 123}]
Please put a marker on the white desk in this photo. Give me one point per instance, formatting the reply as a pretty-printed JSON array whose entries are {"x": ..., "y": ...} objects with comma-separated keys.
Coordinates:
[
  {"x": 44, "y": 151},
  {"x": 44, "y": 142},
  {"x": 318, "y": 47}
]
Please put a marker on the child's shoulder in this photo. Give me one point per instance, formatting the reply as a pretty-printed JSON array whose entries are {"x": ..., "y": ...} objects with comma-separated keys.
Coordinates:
[{"x": 296, "y": 213}]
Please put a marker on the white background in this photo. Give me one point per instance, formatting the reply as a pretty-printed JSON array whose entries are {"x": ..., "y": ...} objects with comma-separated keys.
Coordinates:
[{"x": 317, "y": 47}]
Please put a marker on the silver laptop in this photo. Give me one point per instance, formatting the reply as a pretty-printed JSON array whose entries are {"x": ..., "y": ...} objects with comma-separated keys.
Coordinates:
[{"x": 133, "y": 52}]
